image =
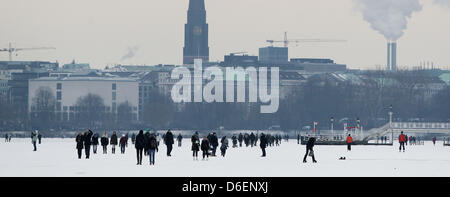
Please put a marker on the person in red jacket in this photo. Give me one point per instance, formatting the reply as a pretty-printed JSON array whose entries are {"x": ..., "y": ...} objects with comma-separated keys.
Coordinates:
[
  {"x": 349, "y": 141},
  {"x": 402, "y": 140}
]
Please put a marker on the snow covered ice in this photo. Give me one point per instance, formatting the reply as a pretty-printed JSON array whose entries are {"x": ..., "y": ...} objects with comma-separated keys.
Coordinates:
[{"x": 58, "y": 157}]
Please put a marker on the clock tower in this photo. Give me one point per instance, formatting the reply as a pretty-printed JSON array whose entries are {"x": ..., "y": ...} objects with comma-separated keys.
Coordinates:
[{"x": 196, "y": 33}]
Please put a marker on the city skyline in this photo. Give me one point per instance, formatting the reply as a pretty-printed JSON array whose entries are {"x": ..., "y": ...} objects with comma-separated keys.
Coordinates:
[{"x": 100, "y": 35}]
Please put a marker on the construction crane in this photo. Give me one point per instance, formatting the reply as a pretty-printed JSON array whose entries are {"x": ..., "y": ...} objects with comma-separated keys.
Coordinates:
[
  {"x": 286, "y": 41},
  {"x": 12, "y": 50}
]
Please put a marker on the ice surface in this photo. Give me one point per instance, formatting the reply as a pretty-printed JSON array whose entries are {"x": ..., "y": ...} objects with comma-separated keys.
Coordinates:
[{"x": 58, "y": 157}]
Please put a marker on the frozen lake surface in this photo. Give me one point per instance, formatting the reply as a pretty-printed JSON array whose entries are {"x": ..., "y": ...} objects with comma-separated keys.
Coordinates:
[{"x": 58, "y": 157}]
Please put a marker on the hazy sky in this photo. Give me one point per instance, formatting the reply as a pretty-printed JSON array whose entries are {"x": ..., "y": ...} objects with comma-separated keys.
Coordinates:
[{"x": 101, "y": 32}]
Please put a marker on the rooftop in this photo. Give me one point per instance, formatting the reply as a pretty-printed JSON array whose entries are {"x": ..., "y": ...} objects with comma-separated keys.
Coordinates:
[{"x": 122, "y": 79}]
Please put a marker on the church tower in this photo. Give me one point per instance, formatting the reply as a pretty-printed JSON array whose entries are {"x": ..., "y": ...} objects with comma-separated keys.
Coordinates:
[{"x": 196, "y": 33}]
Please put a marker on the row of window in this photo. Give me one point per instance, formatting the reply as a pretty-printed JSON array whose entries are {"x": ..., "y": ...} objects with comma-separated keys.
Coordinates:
[{"x": 71, "y": 115}]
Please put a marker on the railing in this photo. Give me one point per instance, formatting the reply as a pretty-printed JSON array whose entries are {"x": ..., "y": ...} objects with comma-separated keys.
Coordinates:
[
  {"x": 420, "y": 125},
  {"x": 377, "y": 132}
]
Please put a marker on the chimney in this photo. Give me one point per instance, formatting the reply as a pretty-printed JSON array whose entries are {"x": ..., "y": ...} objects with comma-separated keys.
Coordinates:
[
  {"x": 394, "y": 56},
  {"x": 388, "y": 65}
]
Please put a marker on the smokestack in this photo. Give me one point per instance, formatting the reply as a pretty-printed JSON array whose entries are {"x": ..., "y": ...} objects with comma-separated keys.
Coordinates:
[
  {"x": 394, "y": 56},
  {"x": 388, "y": 65}
]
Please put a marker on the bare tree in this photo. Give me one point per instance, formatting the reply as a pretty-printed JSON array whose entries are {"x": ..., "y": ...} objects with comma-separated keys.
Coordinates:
[
  {"x": 90, "y": 111},
  {"x": 43, "y": 107}
]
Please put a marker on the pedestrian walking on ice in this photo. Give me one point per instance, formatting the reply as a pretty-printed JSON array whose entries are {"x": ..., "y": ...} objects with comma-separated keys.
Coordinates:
[
  {"x": 309, "y": 149},
  {"x": 39, "y": 138},
  {"x": 169, "y": 140},
  {"x": 123, "y": 144},
  {"x": 113, "y": 142},
  {"x": 95, "y": 143},
  {"x": 87, "y": 138},
  {"x": 34, "y": 138},
  {"x": 205, "y": 148},
  {"x": 179, "y": 138},
  {"x": 214, "y": 142},
  {"x": 152, "y": 148},
  {"x": 349, "y": 141},
  {"x": 402, "y": 140},
  {"x": 139, "y": 145},
  {"x": 104, "y": 142},
  {"x": 79, "y": 140},
  {"x": 224, "y": 146},
  {"x": 263, "y": 144},
  {"x": 195, "y": 145}
]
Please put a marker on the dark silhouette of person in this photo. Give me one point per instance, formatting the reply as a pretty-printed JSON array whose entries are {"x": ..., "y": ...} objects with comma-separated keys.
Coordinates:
[
  {"x": 139, "y": 145},
  {"x": 113, "y": 142},
  {"x": 169, "y": 142},
  {"x": 205, "y": 147},
  {"x": 180, "y": 139},
  {"x": 195, "y": 145},
  {"x": 79, "y": 140},
  {"x": 104, "y": 142},
  {"x": 309, "y": 149},
  {"x": 263, "y": 144},
  {"x": 87, "y": 142}
]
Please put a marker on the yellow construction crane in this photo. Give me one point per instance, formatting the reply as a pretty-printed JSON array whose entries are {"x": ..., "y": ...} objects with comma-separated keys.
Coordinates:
[
  {"x": 286, "y": 41},
  {"x": 12, "y": 50}
]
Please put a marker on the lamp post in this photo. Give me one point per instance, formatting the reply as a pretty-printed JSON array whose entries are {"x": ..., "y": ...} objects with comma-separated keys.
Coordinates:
[
  {"x": 332, "y": 129},
  {"x": 358, "y": 123},
  {"x": 390, "y": 122}
]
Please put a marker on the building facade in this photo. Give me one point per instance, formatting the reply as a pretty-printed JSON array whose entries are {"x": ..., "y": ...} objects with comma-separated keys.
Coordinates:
[{"x": 67, "y": 91}]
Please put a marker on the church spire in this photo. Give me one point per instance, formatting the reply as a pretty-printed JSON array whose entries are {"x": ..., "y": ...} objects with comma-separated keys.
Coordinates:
[
  {"x": 197, "y": 5},
  {"x": 196, "y": 33}
]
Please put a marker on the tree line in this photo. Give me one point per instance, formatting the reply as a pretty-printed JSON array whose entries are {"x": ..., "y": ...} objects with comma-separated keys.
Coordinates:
[{"x": 319, "y": 99}]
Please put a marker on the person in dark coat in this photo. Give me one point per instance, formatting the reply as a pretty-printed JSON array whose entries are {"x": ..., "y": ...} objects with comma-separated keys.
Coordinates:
[
  {"x": 179, "y": 138},
  {"x": 214, "y": 143},
  {"x": 309, "y": 148},
  {"x": 79, "y": 139},
  {"x": 87, "y": 143},
  {"x": 263, "y": 144},
  {"x": 113, "y": 142},
  {"x": 39, "y": 138},
  {"x": 139, "y": 145},
  {"x": 246, "y": 140},
  {"x": 123, "y": 144},
  {"x": 195, "y": 145},
  {"x": 234, "y": 141},
  {"x": 34, "y": 138},
  {"x": 169, "y": 142},
  {"x": 224, "y": 146},
  {"x": 133, "y": 138},
  {"x": 146, "y": 142},
  {"x": 152, "y": 148},
  {"x": 205, "y": 147},
  {"x": 298, "y": 139},
  {"x": 252, "y": 139},
  {"x": 240, "y": 138},
  {"x": 95, "y": 142},
  {"x": 104, "y": 142}
]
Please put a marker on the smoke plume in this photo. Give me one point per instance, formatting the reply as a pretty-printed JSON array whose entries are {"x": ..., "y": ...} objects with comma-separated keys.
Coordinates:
[
  {"x": 442, "y": 3},
  {"x": 389, "y": 17},
  {"x": 131, "y": 53}
]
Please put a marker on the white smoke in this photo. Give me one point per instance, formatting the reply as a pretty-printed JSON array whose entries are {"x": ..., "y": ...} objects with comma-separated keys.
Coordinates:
[
  {"x": 131, "y": 53},
  {"x": 443, "y": 3},
  {"x": 389, "y": 17}
]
